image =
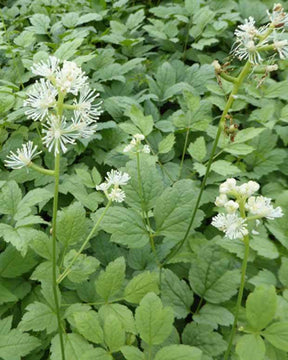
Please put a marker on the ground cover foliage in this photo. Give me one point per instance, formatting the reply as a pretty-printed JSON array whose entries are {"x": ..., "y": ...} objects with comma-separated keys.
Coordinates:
[{"x": 126, "y": 296}]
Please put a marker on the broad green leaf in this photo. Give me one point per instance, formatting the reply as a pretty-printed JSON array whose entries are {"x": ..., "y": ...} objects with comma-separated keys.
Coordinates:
[
  {"x": 7, "y": 100},
  {"x": 110, "y": 281},
  {"x": 38, "y": 317},
  {"x": 174, "y": 207},
  {"x": 197, "y": 150},
  {"x": 82, "y": 268},
  {"x": 176, "y": 293},
  {"x": 247, "y": 134},
  {"x": 126, "y": 227},
  {"x": 114, "y": 333},
  {"x": 40, "y": 23},
  {"x": 166, "y": 144},
  {"x": 72, "y": 225},
  {"x": 165, "y": 76},
  {"x": 239, "y": 149},
  {"x": 141, "y": 285},
  {"x": 5, "y": 325},
  {"x": 151, "y": 183},
  {"x": 10, "y": 197},
  {"x": 96, "y": 354},
  {"x": 153, "y": 322},
  {"x": 211, "y": 276},
  {"x": 277, "y": 335},
  {"x": 144, "y": 123},
  {"x": 6, "y": 295},
  {"x": 88, "y": 325},
  {"x": 203, "y": 336},
  {"x": 179, "y": 352},
  {"x": 264, "y": 277},
  {"x": 17, "y": 344},
  {"x": 283, "y": 271},
  {"x": 261, "y": 306},
  {"x": 74, "y": 346},
  {"x": 34, "y": 197},
  {"x": 214, "y": 315},
  {"x": 68, "y": 49},
  {"x": 12, "y": 263},
  {"x": 132, "y": 353},
  {"x": 224, "y": 168},
  {"x": 124, "y": 315},
  {"x": 251, "y": 346}
]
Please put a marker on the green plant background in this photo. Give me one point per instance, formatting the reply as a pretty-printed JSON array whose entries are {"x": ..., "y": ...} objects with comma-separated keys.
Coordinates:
[{"x": 151, "y": 63}]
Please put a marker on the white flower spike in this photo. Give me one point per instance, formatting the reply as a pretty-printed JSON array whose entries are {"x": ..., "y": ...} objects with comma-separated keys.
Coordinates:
[
  {"x": 46, "y": 68},
  {"x": 23, "y": 156},
  {"x": 116, "y": 179}
]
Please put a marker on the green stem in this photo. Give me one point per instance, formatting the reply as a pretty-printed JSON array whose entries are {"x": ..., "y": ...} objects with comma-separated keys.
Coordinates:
[
  {"x": 54, "y": 261},
  {"x": 68, "y": 269},
  {"x": 227, "y": 77},
  {"x": 184, "y": 152},
  {"x": 245, "y": 71},
  {"x": 240, "y": 295},
  {"x": 41, "y": 170}
]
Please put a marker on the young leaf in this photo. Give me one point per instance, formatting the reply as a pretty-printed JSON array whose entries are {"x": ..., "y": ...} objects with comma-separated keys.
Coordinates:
[
  {"x": 110, "y": 281},
  {"x": 277, "y": 335},
  {"x": 261, "y": 306},
  {"x": 140, "y": 285},
  {"x": 153, "y": 322},
  {"x": 251, "y": 346}
]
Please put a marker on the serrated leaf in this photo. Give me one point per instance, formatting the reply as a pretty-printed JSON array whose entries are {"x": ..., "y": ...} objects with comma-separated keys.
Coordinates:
[
  {"x": 6, "y": 295},
  {"x": 224, "y": 168},
  {"x": 110, "y": 281},
  {"x": 38, "y": 317},
  {"x": 124, "y": 315},
  {"x": 211, "y": 276},
  {"x": 74, "y": 346},
  {"x": 197, "y": 150},
  {"x": 179, "y": 352},
  {"x": 251, "y": 346},
  {"x": 68, "y": 49},
  {"x": 277, "y": 335},
  {"x": 82, "y": 268},
  {"x": 114, "y": 333},
  {"x": 132, "y": 353},
  {"x": 141, "y": 285},
  {"x": 214, "y": 315},
  {"x": 153, "y": 322},
  {"x": 40, "y": 23},
  {"x": 96, "y": 354},
  {"x": 10, "y": 197},
  {"x": 144, "y": 123},
  {"x": 166, "y": 144},
  {"x": 283, "y": 271},
  {"x": 88, "y": 325},
  {"x": 247, "y": 134},
  {"x": 261, "y": 306}
]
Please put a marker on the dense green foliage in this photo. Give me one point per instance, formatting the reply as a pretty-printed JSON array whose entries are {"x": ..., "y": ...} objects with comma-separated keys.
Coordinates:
[{"x": 151, "y": 63}]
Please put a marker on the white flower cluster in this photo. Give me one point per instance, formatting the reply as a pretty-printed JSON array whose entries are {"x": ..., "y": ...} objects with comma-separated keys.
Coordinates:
[
  {"x": 23, "y": 156},
  {"x": 250, "y": 41},
  {"x": 45, "y": 103},
  {"x": 136, "y": 146},
  {"x": 234, "y": 223},
  {"x": 116, "y": 179}
]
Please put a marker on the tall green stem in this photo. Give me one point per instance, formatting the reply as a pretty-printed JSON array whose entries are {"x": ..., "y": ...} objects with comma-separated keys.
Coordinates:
[
  {"x": 239, "y": 80},
  {"x": 240, "y": 295},
  {"x": 68, "y": 269},
  {"x": 54, "y": 261},
  {"x": 184, "y": 151}
]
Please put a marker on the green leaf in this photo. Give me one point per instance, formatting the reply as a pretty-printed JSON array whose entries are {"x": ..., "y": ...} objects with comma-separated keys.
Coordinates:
[
  {"x": 203, "y": 336},
  {"x": 82, "y": 268},
  {"x": 68, "y": 49},
  {"x": 214, "y": 315},
  {"x": 197, "y": 150},
  {"x": 210, "y": 275},
  {"x": 126, "y": 227},
  {"x": 251, "y": 347},
  {"x": 96, "y": 354},
  {"x": 6, "y": 295},
  {"x": 283, "y": 271},
  {"x": 41, "y": 23},
  {"x": 153, "y": 322},
  {"x": 151, "y": 180},
  {"x": 144, "y": 123},
  {"x": 247, "y": 134},
  {"x": 10, "y": 197},
  {"x": 179, "y": 352},
  {"x": 124, "y": 315},
  {"x": 114, "y": 333},
  {"x": 88, "y": 325},
  {"x": 72, "y": 225},
  {"x": 6, "y": 100},
  {"x": 261, "y": 306},
  {"x": 239, "y": 149},
  {"x": 74, "y": 346},
  {"x": 166, "y": 144},
  {"x": 17, "y": 344},
  {"x": 176, "y": 293},
  {"x": 141, "y": 285},
  {"x": 173, "y": 209},
  {"x": 277, "y": 335},
  {"x": 224, "y": 168},
  {"x": 38, "y": 317},
  {"x": 110, "y": 281},
  {"x": 132, "y": 353},
  {"x": 165, "y": 77}
]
